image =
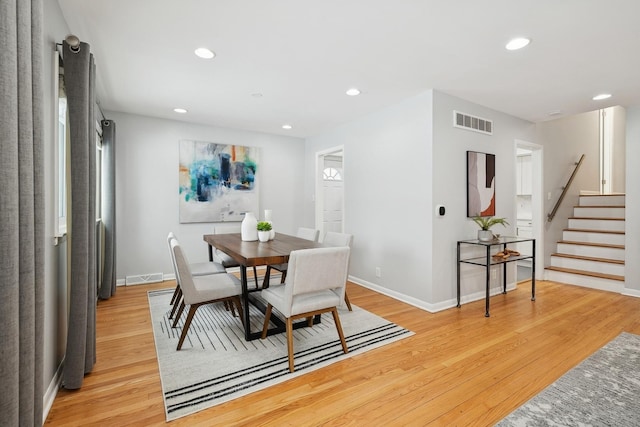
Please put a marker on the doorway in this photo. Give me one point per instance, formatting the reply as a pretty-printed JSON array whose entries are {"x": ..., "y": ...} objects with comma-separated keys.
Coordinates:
[
  {"x": 529, "y": 202},
  {"x": 330, "y": 190}
]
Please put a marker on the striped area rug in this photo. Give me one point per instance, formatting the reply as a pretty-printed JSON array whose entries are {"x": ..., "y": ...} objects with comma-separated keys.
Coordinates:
[{"x": 216, "y": 364}]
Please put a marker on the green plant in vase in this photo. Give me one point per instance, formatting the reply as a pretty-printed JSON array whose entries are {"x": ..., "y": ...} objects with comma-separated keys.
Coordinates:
[
  {"x": 485, "y": 223},
  {"x": 264, "y": 231}
]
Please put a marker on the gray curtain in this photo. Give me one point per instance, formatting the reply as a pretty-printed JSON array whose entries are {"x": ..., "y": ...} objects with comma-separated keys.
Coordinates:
[
  {"x": 21, "y": 213},
  {"x": 80, "y": 357},
  {"x": 108, "y": 286}
]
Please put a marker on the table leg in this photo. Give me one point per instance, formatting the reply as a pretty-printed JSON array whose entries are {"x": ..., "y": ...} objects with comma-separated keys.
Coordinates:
[
  {"x": 488, "y": 269},
  {"x": 245, "y": 302},
  {"x": 533, "y": 270},
  {"x": 504, "y": 272},
  {"x": 458, "y": 284},
  {"x": 210, "y": 253}
]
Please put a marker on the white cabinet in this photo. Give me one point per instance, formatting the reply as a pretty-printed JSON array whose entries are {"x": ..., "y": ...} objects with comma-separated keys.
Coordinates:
[{"x": 524, "y": 179}]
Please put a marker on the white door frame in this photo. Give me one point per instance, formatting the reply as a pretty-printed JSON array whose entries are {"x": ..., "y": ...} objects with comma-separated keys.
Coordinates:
[
  {"x": 319, "y": 192},
  {"x": 538, "y": 218}
]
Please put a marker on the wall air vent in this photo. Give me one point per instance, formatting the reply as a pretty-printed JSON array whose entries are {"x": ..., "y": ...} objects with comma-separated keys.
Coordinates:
[{"x": 469, "y": 122}]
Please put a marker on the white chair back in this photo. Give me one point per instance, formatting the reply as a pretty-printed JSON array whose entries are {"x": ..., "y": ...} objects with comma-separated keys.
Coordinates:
[
  {"x": 314, "y": 270},
  {"x": 183, "y": 272},
  {"x": 332, "y": 238},
  {"x": 308, "y": 233}
]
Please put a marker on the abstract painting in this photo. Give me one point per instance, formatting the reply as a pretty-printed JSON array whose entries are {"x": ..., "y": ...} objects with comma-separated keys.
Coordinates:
[
  {"x": 217, "y": 182},
  {"x": 481, "y": 190}
]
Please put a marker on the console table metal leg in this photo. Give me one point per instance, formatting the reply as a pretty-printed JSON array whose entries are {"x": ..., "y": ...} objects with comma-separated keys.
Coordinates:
[
  {"x": 488, "y": 270},
  {"x": 504, "y": 272},
  {"x": 458, "y": 283},
  {"x": 533, "y": 270}
]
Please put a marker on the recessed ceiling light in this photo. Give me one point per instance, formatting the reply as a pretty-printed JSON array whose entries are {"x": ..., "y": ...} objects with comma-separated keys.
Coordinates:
[
  {"x": 287, "y": 127},
  {"x": 353, "y": 92},
  {"x": 180, "y": 110},
  {"x": 602, "y": 96},
  {"x": 517, "y": 43},
  {"x": 204, "y": 53}
]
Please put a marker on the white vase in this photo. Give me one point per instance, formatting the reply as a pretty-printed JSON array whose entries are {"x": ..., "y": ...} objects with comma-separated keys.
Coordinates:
[
  {"x": 485, "y": 235},
  {"x": 264, "y": 236},
  {"x": 267, "y": 218},
  {"x": 248, "y": 230}
]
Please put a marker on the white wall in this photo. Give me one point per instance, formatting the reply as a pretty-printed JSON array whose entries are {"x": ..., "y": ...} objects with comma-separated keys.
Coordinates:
[
  {"x": 619, "y": 144},
  {"x": 387, "y": 193},
  {"x": 450, "y": 146},
  {"x": 400, "y": 163},
  {"x": 632, "y": 201},
  {"x": 564, "y": 140},
  {"x": 147, "y": 188}
]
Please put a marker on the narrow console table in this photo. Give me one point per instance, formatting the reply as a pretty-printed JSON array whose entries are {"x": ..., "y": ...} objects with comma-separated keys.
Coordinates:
[{"x": 492, "y": 247}]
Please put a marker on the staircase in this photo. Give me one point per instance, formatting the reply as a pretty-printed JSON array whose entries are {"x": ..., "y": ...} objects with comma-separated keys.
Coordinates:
[{"x": 591, "y": 252}]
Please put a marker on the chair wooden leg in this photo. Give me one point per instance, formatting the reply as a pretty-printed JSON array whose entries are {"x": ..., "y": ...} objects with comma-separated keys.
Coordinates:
[
  {"x": 336, "y": 320},
  {"x": 346, "y": 300},
  {"x": 180, "y": 310},
  {"x": 175, "y": 295},
  {"x": 290, "y": 342},
  {"x": 267, "y": 316},
  {"x": 185, "y": 328},
  {"x": 238, "y": 304},
  {"x": 176, "y": 304}
]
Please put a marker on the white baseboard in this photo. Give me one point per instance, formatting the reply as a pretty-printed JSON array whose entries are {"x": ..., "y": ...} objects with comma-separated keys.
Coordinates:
[
  {"x": 51, "y": 393},
  {"x": 431, "y": 308},
  {"x": 631, "y": 292}
]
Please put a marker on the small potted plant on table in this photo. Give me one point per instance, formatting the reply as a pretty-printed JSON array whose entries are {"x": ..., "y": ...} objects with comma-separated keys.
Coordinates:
[
  {"x": 485, "y": 223},
  {"x": 264, "y": 231}
]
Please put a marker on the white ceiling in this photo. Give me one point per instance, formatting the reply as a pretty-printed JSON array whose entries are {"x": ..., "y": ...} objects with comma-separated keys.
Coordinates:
[{"x": 302, "y": 55}]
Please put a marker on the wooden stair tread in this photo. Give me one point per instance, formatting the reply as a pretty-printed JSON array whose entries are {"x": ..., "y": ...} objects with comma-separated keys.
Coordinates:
[
  {"x": 588, "y": 258},
  {"x": 586, "y": 273},
  {"x": 585, "y": 230},
  {"x": 600, "y": 245},
  {"x": 596, "y": 218}
]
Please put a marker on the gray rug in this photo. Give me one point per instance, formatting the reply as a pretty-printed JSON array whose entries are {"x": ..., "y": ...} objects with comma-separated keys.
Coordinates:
[
  {"x": 603, "y": 390},
  {"x": 216, "y": 364}
]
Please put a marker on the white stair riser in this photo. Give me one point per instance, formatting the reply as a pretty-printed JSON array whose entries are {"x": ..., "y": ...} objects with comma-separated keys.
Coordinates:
[
  {"x": 587, "y": 265},
  {"x": 602, "y": 201},
  {"x": 586, "y": 281},
  {"x": 587, "y": 212},
  {"x": 584, "y": 236},
  {"x": 594, "y": 224},
  {"x": 591, "y": 251}
]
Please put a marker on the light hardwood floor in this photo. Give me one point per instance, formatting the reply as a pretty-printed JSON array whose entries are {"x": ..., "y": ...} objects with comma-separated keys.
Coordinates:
[{"x": 459, "y": 369}]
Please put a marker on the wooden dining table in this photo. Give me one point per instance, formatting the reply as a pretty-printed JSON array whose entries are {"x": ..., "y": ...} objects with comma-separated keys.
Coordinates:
[{"x": 252, "y": 254}]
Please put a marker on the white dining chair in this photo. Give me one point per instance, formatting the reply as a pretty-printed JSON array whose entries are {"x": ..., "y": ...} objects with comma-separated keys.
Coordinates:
[
  {"x": 332, "y": 238},
  {"x": 303, "y": 233},
  {"x": 200, "y": 290},
  {"x": 197, "y": 269},
  {"x": 315, "y": 285}
]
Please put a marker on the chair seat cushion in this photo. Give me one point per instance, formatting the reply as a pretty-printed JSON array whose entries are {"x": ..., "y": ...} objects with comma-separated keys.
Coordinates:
[
  {"x": 302, "y": 303},
  {"x": 204, "y": 268},
  {"x": 224, "y": 259},
  {"x": 280, "y": 267},
  {"x": 213, "y": 287}
]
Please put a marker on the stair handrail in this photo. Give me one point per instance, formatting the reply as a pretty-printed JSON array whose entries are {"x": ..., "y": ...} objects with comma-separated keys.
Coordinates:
[{"x": 565, "y": 189}]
